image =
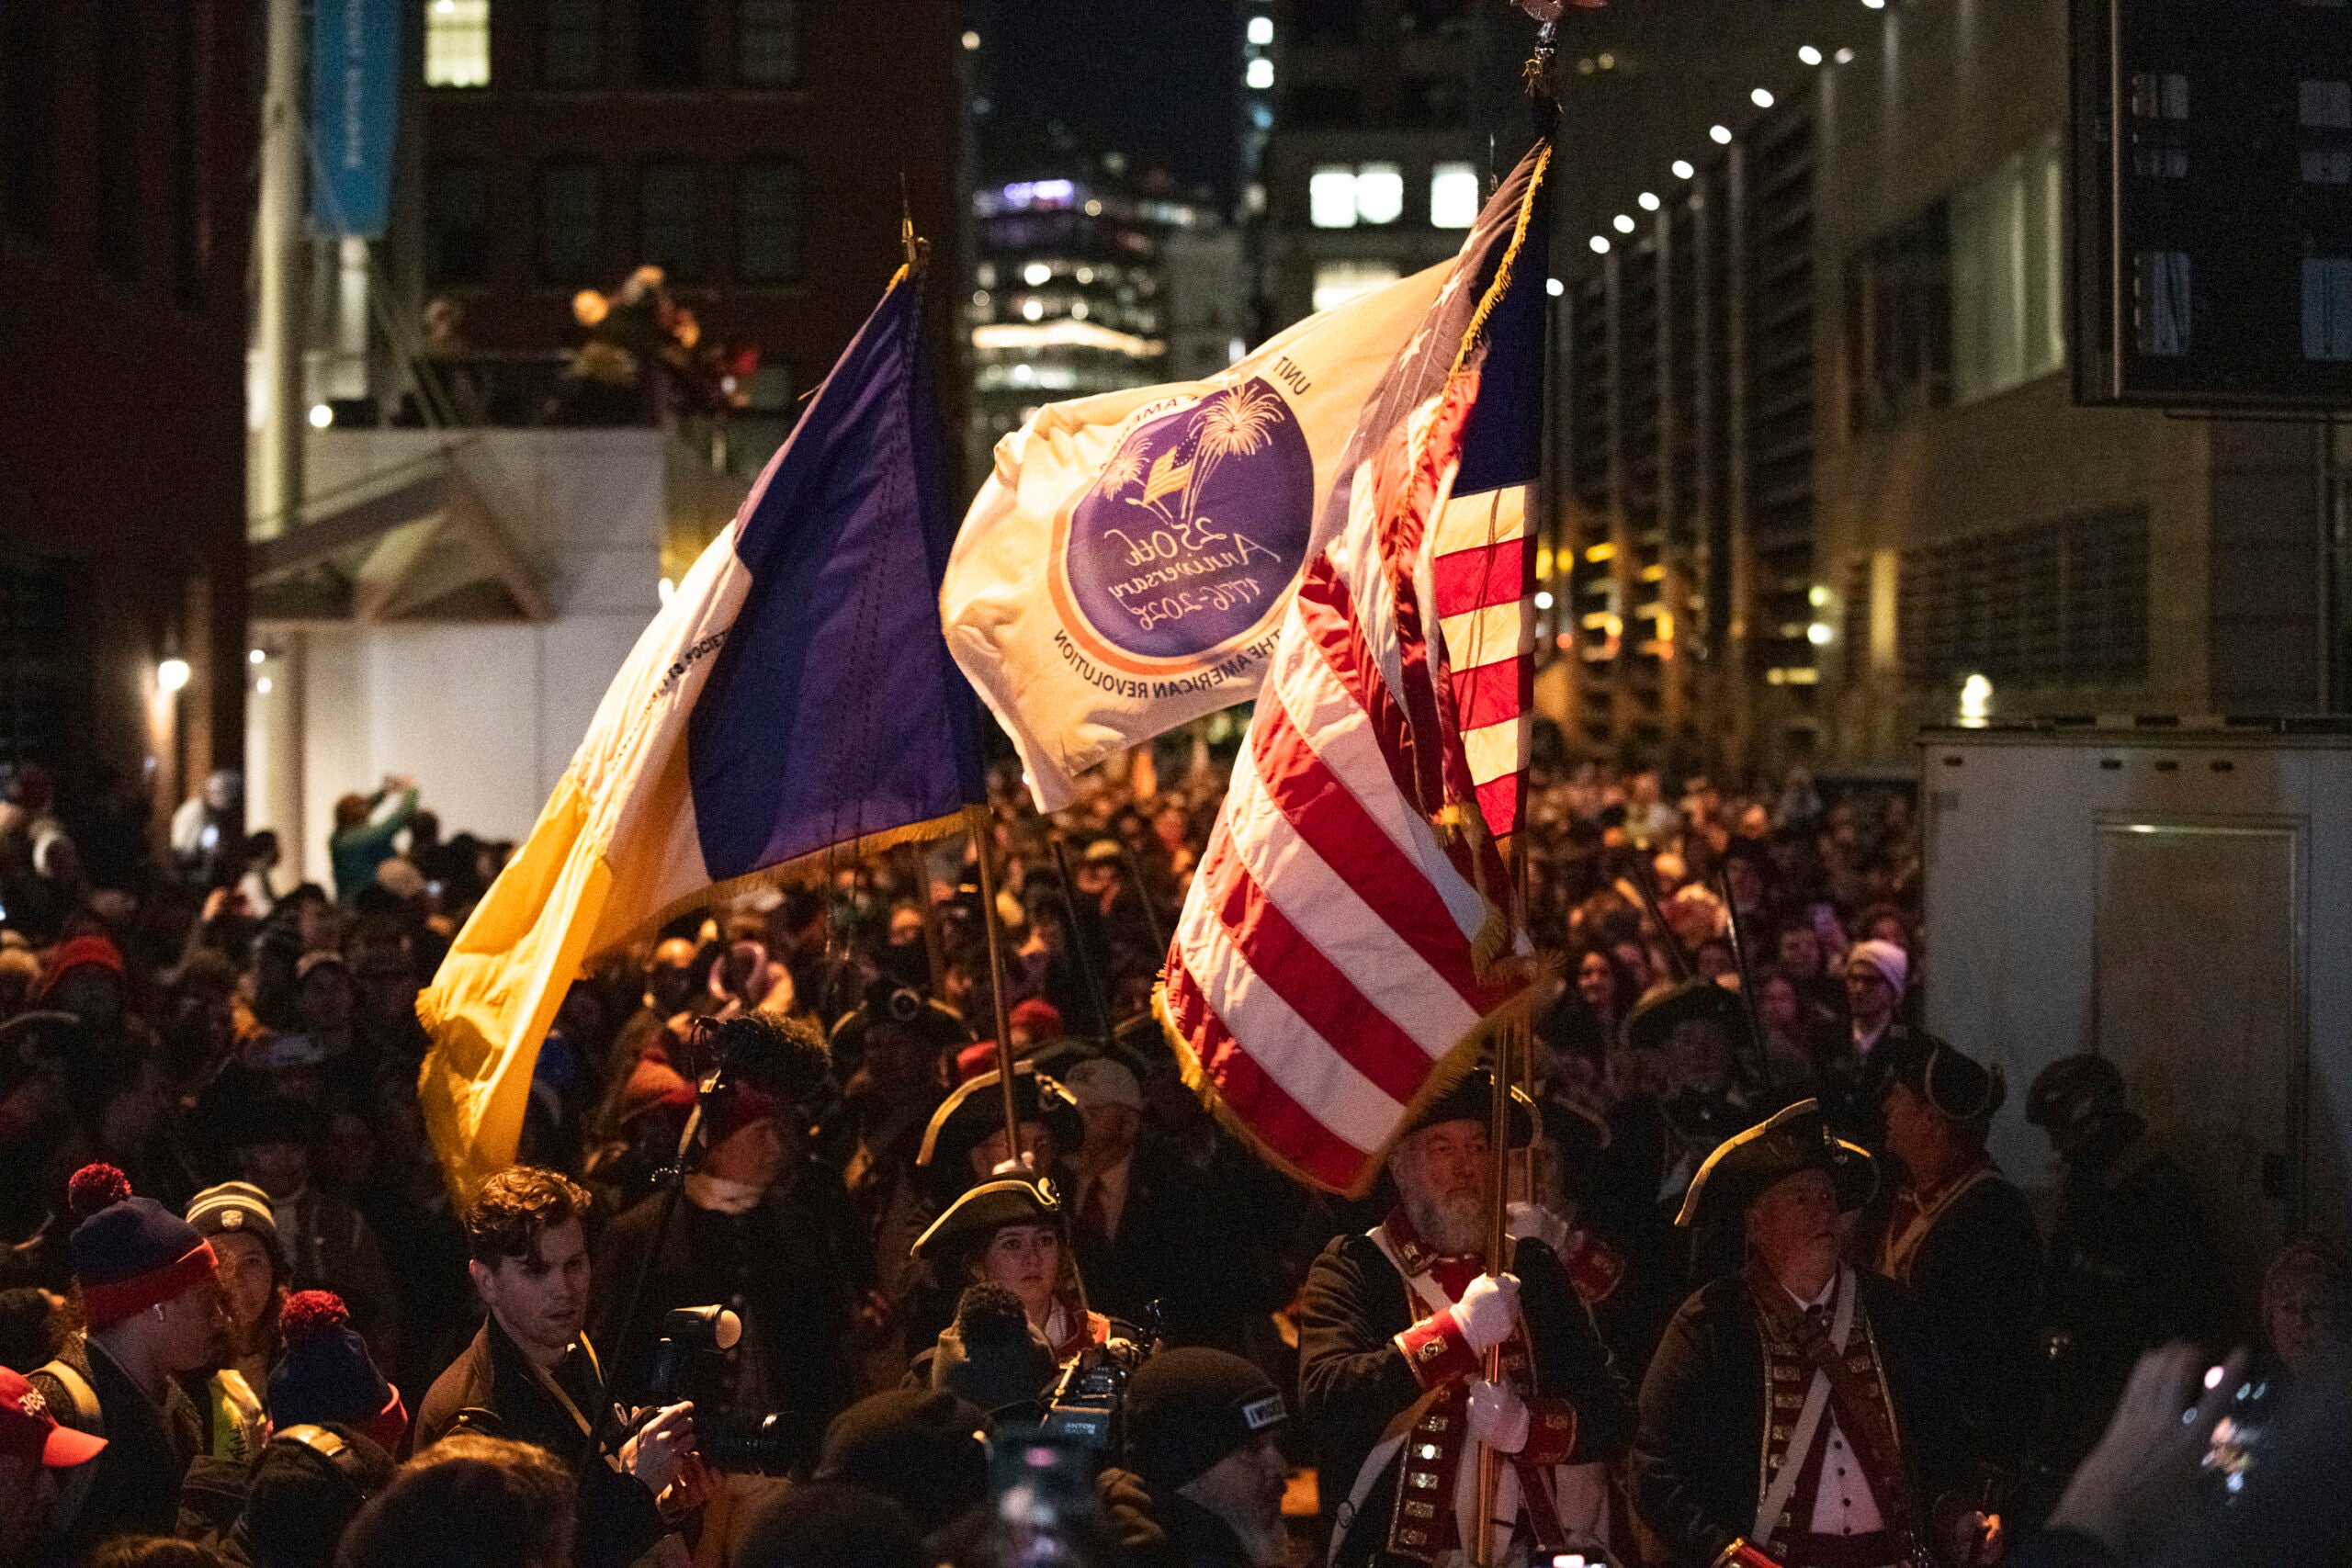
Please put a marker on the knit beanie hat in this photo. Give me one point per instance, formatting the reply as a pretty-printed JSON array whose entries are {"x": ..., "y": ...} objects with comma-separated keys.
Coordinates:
[
  {"x": 89, "y": 948},
  {"x": 1188, "y": 1408},
  {"x": 924, "y": 1446},
  {"x": 304, "y": 1496},
  {"x": 129, "y": 1253},
  {"x": 239, "y": 1207},
  {"x": 1041, "y": 1018},
  {"x": 653, "y": 1085},
  {"x": 1893, "y": 963},
  {"x": 736, "y": 1106},
  {"x": 326, "y": 1375}
]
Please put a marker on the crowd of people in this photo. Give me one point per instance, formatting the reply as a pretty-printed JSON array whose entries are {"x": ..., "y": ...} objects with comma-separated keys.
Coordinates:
[{"x": 768, "y": 1284}]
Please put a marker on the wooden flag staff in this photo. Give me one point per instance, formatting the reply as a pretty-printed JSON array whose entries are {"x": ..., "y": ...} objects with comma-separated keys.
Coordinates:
[
  {"x": 1514, "y": 1045},
  {"x": 983, "y": 824}
]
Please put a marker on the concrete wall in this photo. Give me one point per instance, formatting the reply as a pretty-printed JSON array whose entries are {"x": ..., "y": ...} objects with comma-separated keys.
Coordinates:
[
  {"x": 2013, "y": 927},
  {"x": 483, "y": 714}
]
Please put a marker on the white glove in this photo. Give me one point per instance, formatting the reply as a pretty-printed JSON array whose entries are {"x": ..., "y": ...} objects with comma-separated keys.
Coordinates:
[
  {"x": 1499, "y": 1418},
  {"x": 1488, "y": 1309},
  {"x": 1533, "y": 1222}
]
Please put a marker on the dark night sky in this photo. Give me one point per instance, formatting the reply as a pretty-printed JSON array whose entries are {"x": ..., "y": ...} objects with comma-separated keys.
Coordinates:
[{"x": 1160, "y": 79}]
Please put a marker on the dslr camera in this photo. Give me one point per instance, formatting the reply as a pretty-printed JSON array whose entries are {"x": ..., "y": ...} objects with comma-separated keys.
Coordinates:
[{"x": 695, "y": 1345}]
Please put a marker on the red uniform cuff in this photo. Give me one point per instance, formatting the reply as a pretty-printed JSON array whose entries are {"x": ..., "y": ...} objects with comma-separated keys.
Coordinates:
[
  {"x": 1550, "y": 1432},
  {"x": 1437, "y": 1351}
]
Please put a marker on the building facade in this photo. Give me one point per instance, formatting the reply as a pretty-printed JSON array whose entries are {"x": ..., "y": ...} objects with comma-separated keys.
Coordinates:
[
  {"x": 128, "y": 130},
  {"x": 757, "y": 151},
  {"x": 1821, "y": 477},
  {"x": 1390, "y": 117},
  {"x": 1090, "y": 277}
]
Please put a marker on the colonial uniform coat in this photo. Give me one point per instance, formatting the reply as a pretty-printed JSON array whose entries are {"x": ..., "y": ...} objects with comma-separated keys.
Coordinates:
[
  {"x": 1355, "y": 1382},
  {"x": 1972, "y": 1259},
  {"x": 1700, "y": 1458}
]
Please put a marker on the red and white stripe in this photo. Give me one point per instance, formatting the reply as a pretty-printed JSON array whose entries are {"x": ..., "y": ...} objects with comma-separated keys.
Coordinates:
[
  {"x": 1323, "y": 965},
  {"x": 1482, "y": 572}
]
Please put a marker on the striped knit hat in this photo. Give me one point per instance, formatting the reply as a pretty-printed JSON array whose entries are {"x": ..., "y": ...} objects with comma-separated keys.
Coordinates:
[
  {"x": 238, "y": 1206},
  {"x": 130, "y": 1253}
]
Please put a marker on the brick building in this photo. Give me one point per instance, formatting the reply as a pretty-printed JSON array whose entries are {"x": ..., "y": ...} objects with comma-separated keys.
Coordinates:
[
  {"x": 128, "y": 132},
  {"x": 754, "y": 148}
]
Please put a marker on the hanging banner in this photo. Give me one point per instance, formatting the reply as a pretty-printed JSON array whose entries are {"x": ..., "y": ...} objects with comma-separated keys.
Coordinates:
[{"x": 354, "y": 106}]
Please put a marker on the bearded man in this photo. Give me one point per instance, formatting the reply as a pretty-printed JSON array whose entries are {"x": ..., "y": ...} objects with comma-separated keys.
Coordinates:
[{"x": 1395, "y": 1329}]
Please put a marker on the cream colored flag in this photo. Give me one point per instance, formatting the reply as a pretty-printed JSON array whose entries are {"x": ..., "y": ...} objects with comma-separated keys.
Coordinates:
[{"x": 1126, "y": 566}]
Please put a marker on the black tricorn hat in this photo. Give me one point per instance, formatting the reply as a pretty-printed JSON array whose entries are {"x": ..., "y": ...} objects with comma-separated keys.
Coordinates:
[
  {"x": 966, "y": 1117},
  {"x": 987, "y": 1209},
  {"x": 1696, "y": 1000},
  {"x": 1471, "y": 1097},
  {"x": 1955, "y": 1086},
  {"x": 1795, "y": 1140}
]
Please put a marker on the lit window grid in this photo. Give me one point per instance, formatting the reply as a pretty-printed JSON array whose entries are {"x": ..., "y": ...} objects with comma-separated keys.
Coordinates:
[
  {"x": 457, "y": 43},
  {"x": 1372, "y": 194}
]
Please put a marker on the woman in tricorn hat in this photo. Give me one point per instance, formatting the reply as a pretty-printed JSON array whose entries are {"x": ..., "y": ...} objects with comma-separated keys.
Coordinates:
[
  {"x": 965, "y": 1170},
  {"x": 1009, "y": 1232}
]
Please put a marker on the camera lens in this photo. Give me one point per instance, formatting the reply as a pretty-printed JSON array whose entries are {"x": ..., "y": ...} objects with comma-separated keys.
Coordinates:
[{"x": 751, "y": 1444}]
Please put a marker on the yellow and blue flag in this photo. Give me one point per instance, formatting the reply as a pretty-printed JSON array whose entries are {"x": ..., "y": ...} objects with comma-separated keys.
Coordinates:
[{"x": 793, "y": 701}]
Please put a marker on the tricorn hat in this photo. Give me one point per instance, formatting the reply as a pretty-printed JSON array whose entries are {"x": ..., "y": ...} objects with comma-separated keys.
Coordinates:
[
  {"x": 2074, "y": 1092},
  {"x": 966, "y": 1117},
  {"x": 1955, "y": 1086},
  {"x": 984, "y": 1210},
  {"x": 1471, "y": 1097},
  {"x": 1696, "y": 1000},
  {"x": 1794, "y": 1140}
]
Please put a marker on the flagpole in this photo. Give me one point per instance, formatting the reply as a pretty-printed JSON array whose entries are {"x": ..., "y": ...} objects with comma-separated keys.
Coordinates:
[
  {"x": 1507, "y": 1039},
  {"x": 983, "y": 823},
  {"x": 935, "y": 951},
  {"x": 1078, "y": 940}
]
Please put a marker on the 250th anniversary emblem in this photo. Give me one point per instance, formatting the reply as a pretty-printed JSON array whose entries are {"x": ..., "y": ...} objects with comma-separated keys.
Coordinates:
[{"x": 1174, "y": 562}]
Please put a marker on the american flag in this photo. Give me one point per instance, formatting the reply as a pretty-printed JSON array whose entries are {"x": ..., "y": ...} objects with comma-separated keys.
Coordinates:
[{"x": 1339, "y": 947}]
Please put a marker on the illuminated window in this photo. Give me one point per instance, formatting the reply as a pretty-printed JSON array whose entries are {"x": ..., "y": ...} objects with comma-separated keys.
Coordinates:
[
  {"x": 457, "y": 43},
  {"x": 2009, "y": 275},
  {"x": 1262, "y": 30},
  {"x": 1453, "y": 196},
  {"x": 1259, "y": 75},
  {"x": 1380, "y": 193},
  {"x": 1332, "y": 196},
  {"x": 1337, "y": 282}
]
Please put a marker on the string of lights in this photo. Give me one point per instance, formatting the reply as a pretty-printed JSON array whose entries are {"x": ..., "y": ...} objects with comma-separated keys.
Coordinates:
[{"x": 1722, "y": 135}]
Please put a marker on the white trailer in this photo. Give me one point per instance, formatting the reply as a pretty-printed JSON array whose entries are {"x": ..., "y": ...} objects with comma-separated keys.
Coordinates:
[{"x": 2177, "y": 897}]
